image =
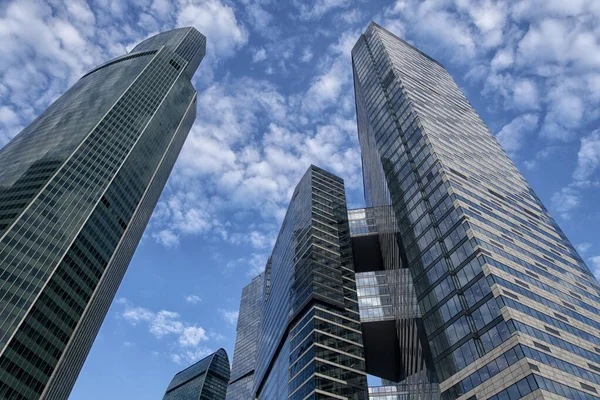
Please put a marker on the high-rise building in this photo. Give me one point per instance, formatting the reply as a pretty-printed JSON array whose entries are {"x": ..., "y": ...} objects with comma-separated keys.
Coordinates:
[
  {"x": 77, "y": 187},
  {"x": 310, "y": 342},
  {"x": 246, "y": 340},
  {"x": 509, "y": 310},
  {"x": 205, "y": 380}
]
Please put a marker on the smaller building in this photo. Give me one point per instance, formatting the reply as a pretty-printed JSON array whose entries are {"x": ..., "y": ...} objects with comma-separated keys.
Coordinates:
[
  {"x": 246, "y": 340},
  {"x": 205, "y": 380}
]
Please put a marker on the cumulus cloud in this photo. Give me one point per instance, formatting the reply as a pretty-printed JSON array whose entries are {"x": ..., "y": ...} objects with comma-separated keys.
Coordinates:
[
  {"x": 318, "y": 8},
  {"x": 545, "y": 62},
  {"x": 512, "y": 136},
  {"x": 193, "y": 299},
  {"x": 230, "y": 317},
  {"x": 583, "y": 247},
  {"x": 565, "y": 200},
  {"x": 595, "y": 264},
  {"x": 259, "y": 55},
  {"x": 233, "y": 161},
  {"x": 168, "y": 324},
  {"x": 217, "y": 21},
  {"x": 254, "y": 264},
  {"x": 191, "y": 356},
  {"x": 584, "y": 176},
  {"x": 588, "y": 157}
]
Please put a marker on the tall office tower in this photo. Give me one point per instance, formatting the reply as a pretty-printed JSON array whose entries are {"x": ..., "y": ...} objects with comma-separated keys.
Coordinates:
[
  {"x": 509, "y": 308},
  {"x": 310, "y": 343},
  {"x": 205, "y": 380},
  {"x": 246, "y": 340},
  {"x": 77, "y": 187}
]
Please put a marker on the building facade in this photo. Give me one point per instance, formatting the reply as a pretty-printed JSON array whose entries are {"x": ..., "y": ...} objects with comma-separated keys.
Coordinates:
[
  {"x": 509, "y": 309},
  {"x": 246, "y": 340},
  {"x": 310, "y": 342},
  {"x": 77, "y": 187},
  {"x": 205, "y": 380}
]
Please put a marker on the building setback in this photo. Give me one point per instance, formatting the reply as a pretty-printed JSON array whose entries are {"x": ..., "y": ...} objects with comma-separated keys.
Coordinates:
[
  {"x": 205, "y": 380},
  {"x": 246, "y": 340},
  {"x": 509, "y": 310},
  {"x": 77, "y": 187},
  {"x": 310, "y": 342}
]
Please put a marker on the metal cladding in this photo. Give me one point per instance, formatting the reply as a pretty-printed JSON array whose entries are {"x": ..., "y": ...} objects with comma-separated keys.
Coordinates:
[
  {"x": 508, "y": 307},
  {"x": 205, "y": 380},
  {"x": 246, "y": 340},
  {"x": 77, "y": 187}
]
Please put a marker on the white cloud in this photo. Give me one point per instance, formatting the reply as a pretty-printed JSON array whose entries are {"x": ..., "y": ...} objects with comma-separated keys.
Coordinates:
[
  {"x": 565, "y": 200},
  {"x": 230, "y": 317},
  {"x": 166, "y": 237},
  {"x": 513, "y": 135},
  {"x": 255, "y": 263},
  {"x": 217, "y": 21},
  {"x": 193, "y": 299},
  {"x": 307, "y": 55},
  {"x": 595, "y": 261},
  {"x": 503, "y": 59},
  {"x": 191, "y": 356},
  {"x": 260, "y": 19},
  {"x": 583, "y": 247},
  {"x": 540, "y": 156},
  {"x": 352, "y": 16},
  {"x": 327, "y": 88},
  {"x": 588, "y": 157},
  {"x": 259, "y": 55},
  {"x": 192, "y": 335},
  {"x": 163, "y": 323},
  {"x": 525, "y": 94},
  {"x": 319, "y": 8}
]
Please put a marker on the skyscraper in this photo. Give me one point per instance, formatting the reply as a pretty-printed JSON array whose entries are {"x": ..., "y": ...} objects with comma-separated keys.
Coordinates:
[
  {"x": 77, "y": 187},
  {"x": 310, "y": 343},
  {"x": 205, "y": 380},
  {"x": 508, "y": 306},
  {"x": 246, "y": 340}
]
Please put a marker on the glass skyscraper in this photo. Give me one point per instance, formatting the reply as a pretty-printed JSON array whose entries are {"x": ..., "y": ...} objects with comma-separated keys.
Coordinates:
[
  {"x": 509, "y": 310},
  {"x": 246, "y": 340},
  {"x": 310, "y": 342},
  {"x": 205, "y": 380},
  {"x": 77, "y": 187}
]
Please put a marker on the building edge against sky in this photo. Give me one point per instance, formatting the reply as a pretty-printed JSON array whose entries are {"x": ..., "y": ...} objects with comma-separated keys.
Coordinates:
[
  {"x": 508, "y": 306},
  {"x": 77, "y": 187},
  {"x": 246, "y": 340},
  {"x": 309, "y": 342},
  {"x": 205, "y": 380}
]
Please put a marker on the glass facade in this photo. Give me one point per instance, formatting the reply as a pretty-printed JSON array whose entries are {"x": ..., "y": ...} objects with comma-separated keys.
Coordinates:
[
  {"x": 246, "y": 340},
  {"x": 390, "y": 315},
  {"x": 205, "y": 380},
  {"x": 77, "y": 187},
  {"x": 492, "y": 271},
  {"x": 310, "y": 342}
]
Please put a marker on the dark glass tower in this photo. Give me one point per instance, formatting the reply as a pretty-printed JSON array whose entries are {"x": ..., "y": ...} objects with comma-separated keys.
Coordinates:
[
  {"x": 246, "y": 340},
  {"x": 77, "y": 187},
  {"x": 508, "y": 306},
  {"x": 205, "y": 380},
  {"x": 310, "y": 343}
]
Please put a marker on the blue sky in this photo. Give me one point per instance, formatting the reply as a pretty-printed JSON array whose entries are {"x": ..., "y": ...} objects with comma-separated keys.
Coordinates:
[{"x": 275, "y": 94}]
